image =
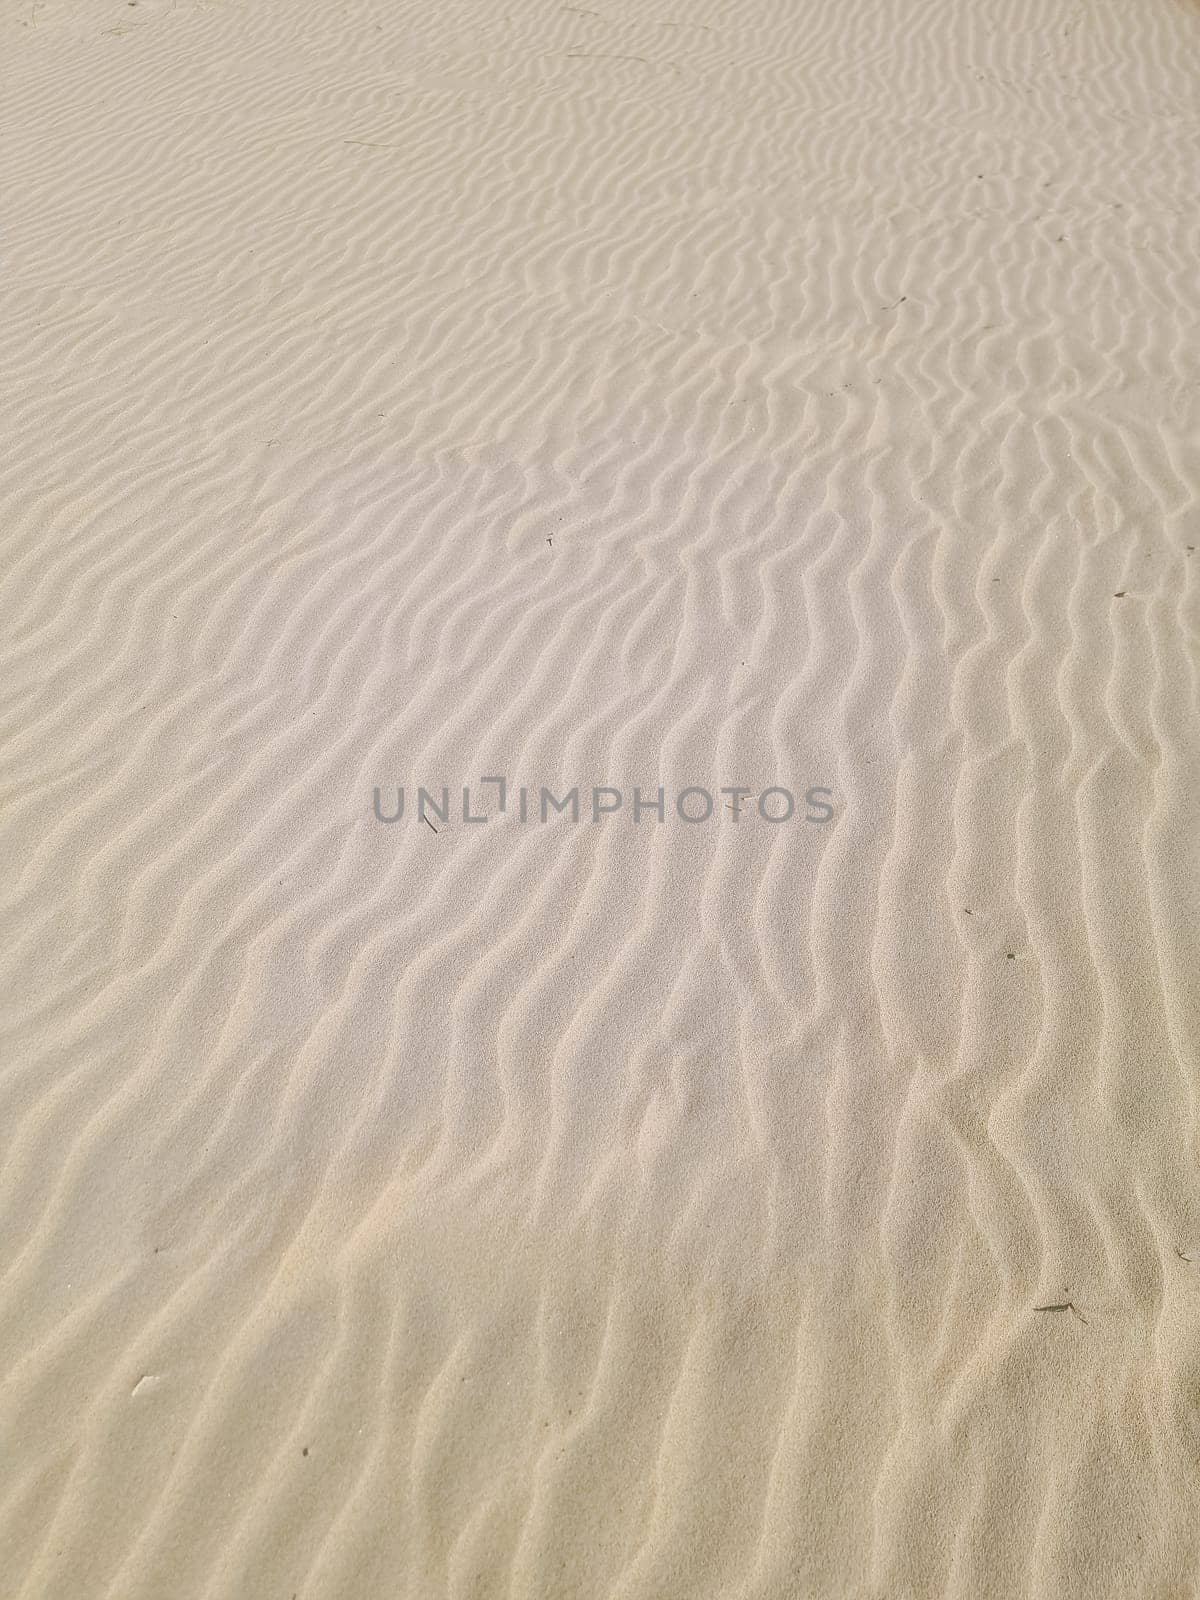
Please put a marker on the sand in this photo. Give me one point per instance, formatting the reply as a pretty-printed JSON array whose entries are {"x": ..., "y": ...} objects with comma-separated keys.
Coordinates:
[{"x": 770, "y": 396}]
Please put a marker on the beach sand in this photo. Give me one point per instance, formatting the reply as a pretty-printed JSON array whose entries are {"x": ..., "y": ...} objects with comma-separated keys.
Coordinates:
[{"x": 688, "y": 395}]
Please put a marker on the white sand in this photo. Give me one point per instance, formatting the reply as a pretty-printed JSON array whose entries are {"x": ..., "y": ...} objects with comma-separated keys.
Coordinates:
[{"x": 771, "y": 394}]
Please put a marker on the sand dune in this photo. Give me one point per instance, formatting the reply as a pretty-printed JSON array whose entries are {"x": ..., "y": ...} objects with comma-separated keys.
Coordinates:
[{"x": 772, "y": 396}]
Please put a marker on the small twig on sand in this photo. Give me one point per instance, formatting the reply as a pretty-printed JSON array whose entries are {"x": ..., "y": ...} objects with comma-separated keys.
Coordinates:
[{"x": 428, "y": 824}]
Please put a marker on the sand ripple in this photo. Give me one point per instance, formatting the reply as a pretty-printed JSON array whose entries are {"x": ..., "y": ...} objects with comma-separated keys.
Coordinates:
[{"x": 791, "y": 394}]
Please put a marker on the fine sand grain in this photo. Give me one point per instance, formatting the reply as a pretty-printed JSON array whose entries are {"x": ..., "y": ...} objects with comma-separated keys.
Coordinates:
[{"x": 790, "y": 393}]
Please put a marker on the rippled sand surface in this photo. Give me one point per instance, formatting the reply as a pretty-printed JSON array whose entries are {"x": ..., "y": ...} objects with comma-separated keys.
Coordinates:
[{"x": 790, "y": 393}]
